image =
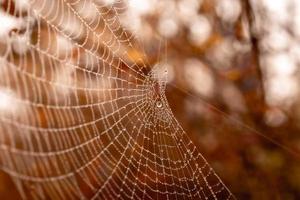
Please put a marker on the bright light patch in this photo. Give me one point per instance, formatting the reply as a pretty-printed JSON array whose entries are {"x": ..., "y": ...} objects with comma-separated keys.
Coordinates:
[
  {"x": 64, "y": 46},
  {"x": 280, "y": 64},
  {"x": 278, "y": 39},
  {"x": 8, "y": 23},
  {"x": 141, "y": 6},
  {"x": 109, "y": 2},
  {"x": 200, "y": 30},
  {"x": 275, "y": 6},
  {"x": 19, "y": 43},
  {"x": 6, "y": 100},
  {"x": 199, "y": 77},
  {"x": 278, "y": 9},
  {"x": 188, "y": 9},
  {"x": 228, "y": 10},
  {"x": 22, "y": 4},
  {"x": 296, "y": 25},
  {"x": 88, "y": 10},
  {"x": 168, "y": 27},
  {"x": 72, "y": 26},
  {"x": 281, "y": 91}
]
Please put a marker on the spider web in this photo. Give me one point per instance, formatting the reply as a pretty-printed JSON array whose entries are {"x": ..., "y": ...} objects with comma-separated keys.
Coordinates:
[{"x": 83, "y": 115}]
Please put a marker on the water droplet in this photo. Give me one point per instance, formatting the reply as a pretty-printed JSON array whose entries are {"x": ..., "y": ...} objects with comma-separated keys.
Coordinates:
[{"x": 159, "y": 104}]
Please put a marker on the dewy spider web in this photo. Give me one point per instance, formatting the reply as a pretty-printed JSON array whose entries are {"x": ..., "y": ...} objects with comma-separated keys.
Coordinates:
[{"x": 82, "y": 114}]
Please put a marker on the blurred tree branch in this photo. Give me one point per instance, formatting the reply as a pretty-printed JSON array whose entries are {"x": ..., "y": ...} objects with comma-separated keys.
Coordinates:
[{"x": 256, "y": 101}]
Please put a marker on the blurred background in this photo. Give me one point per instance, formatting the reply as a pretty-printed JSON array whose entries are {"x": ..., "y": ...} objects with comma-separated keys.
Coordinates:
[{"x": 233, "y": 84}]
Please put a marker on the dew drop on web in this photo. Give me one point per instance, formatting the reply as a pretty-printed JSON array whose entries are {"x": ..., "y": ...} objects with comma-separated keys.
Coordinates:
[{"x": 159, "y": 104}]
